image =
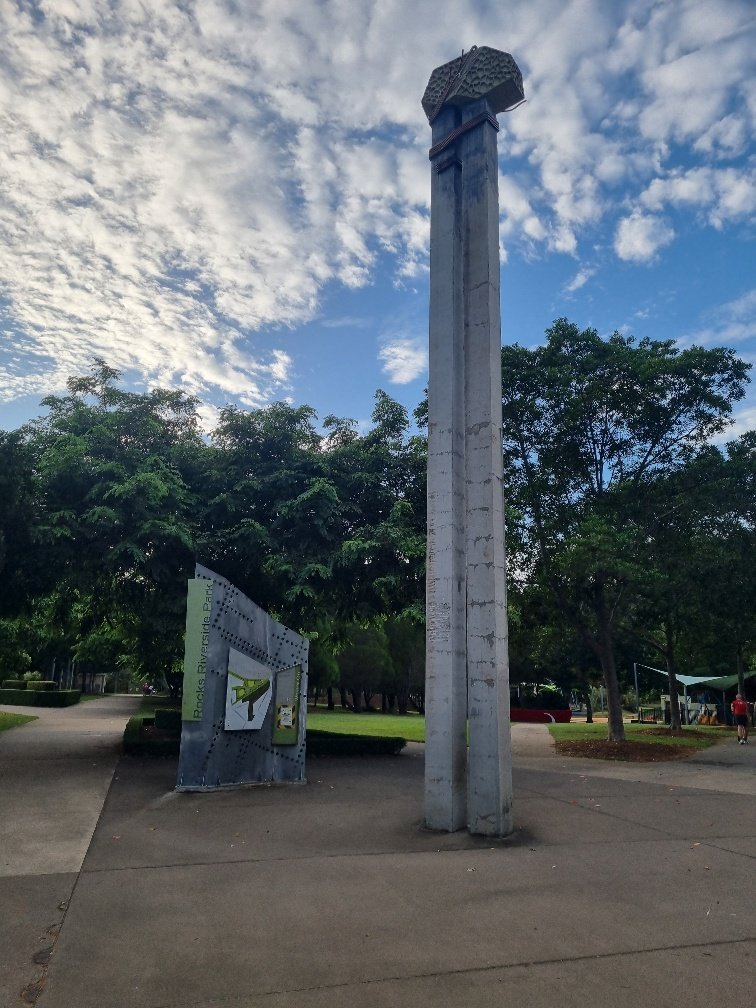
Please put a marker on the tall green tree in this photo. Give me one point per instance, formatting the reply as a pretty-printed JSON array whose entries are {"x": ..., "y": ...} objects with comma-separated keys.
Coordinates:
[
  {"x": 589, "y": 425},
  {"x": 724, "y": 620},
  {"x": 405, "y": 635},
  {"x": 365, "y": 663},
  {"x": 118, "y": 522},
  {"x": 270, "y": 519},
  {"x": 380, "y": 476},
  {"x": 22, "y": 570}
]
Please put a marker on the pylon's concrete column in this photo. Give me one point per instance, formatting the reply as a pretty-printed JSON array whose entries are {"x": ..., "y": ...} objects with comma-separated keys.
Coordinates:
[
  {"x": 467, "y": 676},
  {"x": 446, "y": 683}
]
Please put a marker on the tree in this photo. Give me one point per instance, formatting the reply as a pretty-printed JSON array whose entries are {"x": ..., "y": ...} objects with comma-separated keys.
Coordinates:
[
  {"x": 318, "y": 527},
  {"x": 21, "y": 567},
  {"x": 724, "y": 596},
  {"x": 589, "y": 426},
  {"x": 118, "y": 522},
  {"x": 406, "y": 647},
  {"x": 698, "y": 598},
  {"x": 364, "y": 663},
  {"x": 268, "y": 520},
  {"x": 379, "y": 568},
  {"x": 322, "y": 664}
]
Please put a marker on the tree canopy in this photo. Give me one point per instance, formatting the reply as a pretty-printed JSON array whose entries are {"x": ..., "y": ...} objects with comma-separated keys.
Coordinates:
[
  {"x": 591, "y": 428},
  {"x": 630, "y": 522}
]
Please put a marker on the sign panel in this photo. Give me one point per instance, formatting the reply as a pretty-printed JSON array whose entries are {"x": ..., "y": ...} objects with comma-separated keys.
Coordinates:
[
  {"x": 249, "y": 690},
  {"x": 199, "y": 604},
  {"x": 286, "y": 714},
  {"x": 245, "y": 692}
]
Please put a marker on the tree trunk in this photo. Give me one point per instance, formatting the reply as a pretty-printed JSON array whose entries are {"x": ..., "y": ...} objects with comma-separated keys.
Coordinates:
[
  {"x": 674, "y": 699},
  {"x": 402, "y": 700},
  {"x": 588, "y": 707},
  {"x": 329, "y": 694},
  {"x": 740, "y": 671},
  {"x": 343, "y": 695},
  {"x": 605, "y": 652},
  {"x": 356, "y": 699}
]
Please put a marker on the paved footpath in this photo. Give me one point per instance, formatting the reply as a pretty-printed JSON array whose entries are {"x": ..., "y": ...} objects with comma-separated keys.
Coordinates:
[
  {"x": 622, "y": 882},
  {"x": 54, "y": 776}
]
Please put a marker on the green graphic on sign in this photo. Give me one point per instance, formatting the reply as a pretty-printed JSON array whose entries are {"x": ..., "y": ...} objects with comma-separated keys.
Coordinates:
[
  {"x": 250, "y": 689},
  {"x": 199, "y": 604}
]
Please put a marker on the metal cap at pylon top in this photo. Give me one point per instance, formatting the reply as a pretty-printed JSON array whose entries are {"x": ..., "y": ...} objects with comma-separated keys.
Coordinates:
[{"x": 481, "y": 73}]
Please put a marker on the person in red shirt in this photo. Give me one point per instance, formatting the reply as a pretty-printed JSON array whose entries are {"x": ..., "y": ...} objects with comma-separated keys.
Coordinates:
[{"x": 739, "y": 710}]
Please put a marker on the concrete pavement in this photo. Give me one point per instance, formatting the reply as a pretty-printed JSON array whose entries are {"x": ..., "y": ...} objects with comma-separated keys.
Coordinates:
[
  {"x": 621, "y": 882},
  {"x": 54, "y": 775}
]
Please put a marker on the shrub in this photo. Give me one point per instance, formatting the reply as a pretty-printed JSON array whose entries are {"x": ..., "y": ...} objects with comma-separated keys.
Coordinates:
[
  {"x": 14, "y": 684},
  {"x": 59, "y": 698},
  {"x": 137, "y": 743},
  {"x": 40, "y": 698},
  {"x": 32, "y": 676},
  {"x": 19, "y": 697},
  {"x": 169, "y": 719},
  {"x": 42, "y": 684},
  {"x": 323, "y": 743}
]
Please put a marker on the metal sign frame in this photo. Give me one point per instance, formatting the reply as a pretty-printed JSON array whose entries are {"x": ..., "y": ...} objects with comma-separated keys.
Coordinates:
[{"x": 222, "y": 624}]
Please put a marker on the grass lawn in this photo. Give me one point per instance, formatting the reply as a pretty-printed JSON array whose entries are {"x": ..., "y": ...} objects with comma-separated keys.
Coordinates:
[
  {"x": 691, "y": 737},
  {"x": 14, "y": 720},
  {"x": 407, "y": 726}
]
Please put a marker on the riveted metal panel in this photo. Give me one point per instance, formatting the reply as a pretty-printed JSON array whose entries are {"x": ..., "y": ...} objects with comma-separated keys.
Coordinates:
[{"x": 213, "y": 756}]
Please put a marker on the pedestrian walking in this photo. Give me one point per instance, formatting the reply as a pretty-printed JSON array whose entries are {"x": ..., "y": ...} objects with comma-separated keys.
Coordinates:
[{"x": 739, "y": 710}]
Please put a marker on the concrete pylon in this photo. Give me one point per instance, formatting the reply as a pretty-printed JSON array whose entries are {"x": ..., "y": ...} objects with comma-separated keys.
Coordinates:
[{"x": 467, "y": 669}]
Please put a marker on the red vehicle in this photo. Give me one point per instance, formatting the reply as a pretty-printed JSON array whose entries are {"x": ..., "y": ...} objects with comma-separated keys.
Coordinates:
[{"x": 538, "y": 705}]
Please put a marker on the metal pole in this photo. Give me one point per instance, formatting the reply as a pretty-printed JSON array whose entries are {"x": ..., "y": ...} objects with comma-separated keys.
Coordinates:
[{"x": 637, "y": 694}]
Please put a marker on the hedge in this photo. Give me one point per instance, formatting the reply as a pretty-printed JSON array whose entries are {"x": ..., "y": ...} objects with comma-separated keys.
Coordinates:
[
  {"x": 323, "y": 743},
  {"x": 169, "y": 719},
  {"x": 46, "y": 685},
  {"x": 319, "y": 743},
  {"x": 14, "y": 684},
  {"x": 136, "y": 743},
  {"x": 39, "y": 698}
]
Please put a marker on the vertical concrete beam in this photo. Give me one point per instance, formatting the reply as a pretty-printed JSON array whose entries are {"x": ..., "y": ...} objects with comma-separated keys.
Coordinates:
[
  {"x": 467, "y": 674},
  {"x": 489, "y": 761},
  {"x": 446, "y": 682}
]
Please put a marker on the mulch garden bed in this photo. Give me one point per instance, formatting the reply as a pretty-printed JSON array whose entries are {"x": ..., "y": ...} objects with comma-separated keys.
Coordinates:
[
  {"x": 628, "y": 752},
  {"x": 635, "y": 751}
]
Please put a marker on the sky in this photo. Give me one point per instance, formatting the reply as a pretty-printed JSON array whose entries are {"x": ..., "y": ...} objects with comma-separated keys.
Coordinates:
[{"x": 232, "y": 197}]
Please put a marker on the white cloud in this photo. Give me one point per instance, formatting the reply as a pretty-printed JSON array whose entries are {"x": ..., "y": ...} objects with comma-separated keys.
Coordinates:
[
  {"x": 404, "y": 359},
  {"x": 179, "y": 181},
  {"x": 580, "y": 279},
  {"x": 345, "y": 322},
  {"x": 743, "y": 421},
  {"x": 721, "y": 194},
  {"x": 640, "y": 236},
  {"x": 728, "y": 324}
]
